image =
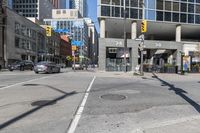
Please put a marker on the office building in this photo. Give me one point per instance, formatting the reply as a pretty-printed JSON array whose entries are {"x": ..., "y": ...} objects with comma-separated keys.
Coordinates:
[
  {"x": 172, "y": 29},
  {"x": 39, "y": 9},
  {"x": 67, "y": 22},
  {"x": 81, "y": 5}
]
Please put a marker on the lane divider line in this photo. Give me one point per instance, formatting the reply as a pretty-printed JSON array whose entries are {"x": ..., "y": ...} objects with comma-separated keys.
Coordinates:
[
  {"x": 78, "y": 114},
  {"x": 25, "y": 82}
]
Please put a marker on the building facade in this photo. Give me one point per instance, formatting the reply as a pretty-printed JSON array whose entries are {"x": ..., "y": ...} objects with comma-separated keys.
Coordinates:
[
  {"x": 93, "y": 42},
  {"x": 173, "y": 29},
  {"x": 25, "y": 40},
  {"x": 67, "y": 22},
  {"x": 39, "y": 9},
  {"x": 81, "y": 5}
]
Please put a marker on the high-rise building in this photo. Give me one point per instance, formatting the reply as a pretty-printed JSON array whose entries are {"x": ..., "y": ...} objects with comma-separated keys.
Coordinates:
[
  {"x": 81, "y": 5},
  {"x": 172, "y": 31},
  {"x": 39, "y": 9},
  {"x": 64, "y": 4}
]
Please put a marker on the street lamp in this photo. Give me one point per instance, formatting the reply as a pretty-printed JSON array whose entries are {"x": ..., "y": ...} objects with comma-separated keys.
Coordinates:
[{"x": 125, "y": 40}]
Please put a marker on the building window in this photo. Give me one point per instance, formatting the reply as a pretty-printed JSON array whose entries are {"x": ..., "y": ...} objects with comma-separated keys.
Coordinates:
[
  {"x": 175, "y": 6},
  {"x": 115, "y": 2},
  {"x": 116, "y": 11},
  {"x": 17, "y": 42},
  {"x": 183, "y": 7},
  {"x": 159, "y": 16},
  {"x": 197, "y": 20},
  {"x": 168, "y": 5},
  {"x": 198, "y": 9},
  {"x": 105, "y": 1},
  {"x": 159, "y": 4},
  {"x": 167, "y": 16},
  {"x": 183, "y": 18},
  {"x": 134, "y": 13},
  {"x": 151, "y": 14},
  {"x": 134, "y": 3},
  {"x": 17, "y": 28},
  {"x": 58, "y": 12},
  {"x": 190, "y": 18},
  {"x": 105, "y": 10},
  {"x": 151, "y": 4},
  {"x": 191, "y": 8},
  {"x": 175, "y": 17}
]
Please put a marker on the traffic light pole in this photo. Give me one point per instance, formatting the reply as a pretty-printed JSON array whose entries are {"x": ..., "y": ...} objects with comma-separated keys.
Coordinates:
[
  {"x": 142, "y": 43},
  {"x": 125, "y": 41}
]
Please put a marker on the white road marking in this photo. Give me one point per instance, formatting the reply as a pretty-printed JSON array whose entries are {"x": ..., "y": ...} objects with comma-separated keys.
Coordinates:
[
  {"x": 25, "y": 82},
  {"x": 78, "y": 114}
]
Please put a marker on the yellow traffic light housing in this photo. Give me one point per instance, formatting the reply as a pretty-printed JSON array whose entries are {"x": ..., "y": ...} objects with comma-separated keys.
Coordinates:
[
  {"x": 144, "y": 26},
  {"x": 48, "y": 31}
]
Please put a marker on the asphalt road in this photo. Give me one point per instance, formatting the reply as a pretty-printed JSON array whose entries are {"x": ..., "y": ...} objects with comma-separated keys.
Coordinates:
[
  {"x": 151, "y": 104},
  {"x": 109, "y": 103},
  {"x": 60, "y": 95}
]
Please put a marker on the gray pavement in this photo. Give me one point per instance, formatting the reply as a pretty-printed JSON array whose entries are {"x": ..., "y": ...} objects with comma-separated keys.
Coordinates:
[
  {"x": 63, "y": 91},
  {"x": 117, "y": 103}
]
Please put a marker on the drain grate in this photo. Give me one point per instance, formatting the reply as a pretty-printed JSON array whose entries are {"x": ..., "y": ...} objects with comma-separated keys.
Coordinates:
[
  {"x": 113, "y": 97},
  {"x": 43, "y": 102}
]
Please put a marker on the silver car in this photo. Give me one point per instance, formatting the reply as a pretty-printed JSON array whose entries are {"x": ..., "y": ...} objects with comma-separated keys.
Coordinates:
[{"x": 46, "y": 67}]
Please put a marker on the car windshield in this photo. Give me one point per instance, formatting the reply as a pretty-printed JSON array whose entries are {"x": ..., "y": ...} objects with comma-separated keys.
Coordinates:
[{"x": 43, "y": 63}]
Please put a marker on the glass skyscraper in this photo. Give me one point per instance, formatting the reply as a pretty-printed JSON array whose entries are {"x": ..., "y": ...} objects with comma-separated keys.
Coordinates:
[{"x": 183, "y": 11}]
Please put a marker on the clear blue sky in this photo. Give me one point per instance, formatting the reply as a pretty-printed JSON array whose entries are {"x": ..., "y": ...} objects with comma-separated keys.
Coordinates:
[{"x": 92, "y": 12}]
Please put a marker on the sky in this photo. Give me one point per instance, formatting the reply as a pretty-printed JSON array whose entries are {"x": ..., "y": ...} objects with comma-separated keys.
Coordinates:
[{"x": 92, "y": 12}]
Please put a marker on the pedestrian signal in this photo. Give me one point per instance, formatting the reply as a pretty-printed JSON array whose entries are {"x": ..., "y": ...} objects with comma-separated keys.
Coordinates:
[
  {"x": 48, "y": 31},
  {"x": 144, "y": 26}
]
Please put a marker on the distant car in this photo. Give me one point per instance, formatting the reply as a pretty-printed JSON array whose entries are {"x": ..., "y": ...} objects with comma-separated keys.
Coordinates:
[
  {"x": 21, "y": 65},
  {"x": 62, "y": 65},
  {"x": 46, "y": 67},
  {"x": 77, "y": 66}
]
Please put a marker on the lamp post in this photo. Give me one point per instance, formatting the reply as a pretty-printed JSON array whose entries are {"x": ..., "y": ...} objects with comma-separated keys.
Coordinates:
[{"x": 125, "y": 40}]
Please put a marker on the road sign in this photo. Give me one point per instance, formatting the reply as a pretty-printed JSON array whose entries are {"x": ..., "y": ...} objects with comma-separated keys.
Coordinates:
[
  {"x": 144, "y": 26},
  {"x": 48, "y": 31},
  {"x": 74, "y": 48}
]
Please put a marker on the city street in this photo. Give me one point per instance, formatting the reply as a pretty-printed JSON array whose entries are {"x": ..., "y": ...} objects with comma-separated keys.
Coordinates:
[{"x": 99, "y": 102}]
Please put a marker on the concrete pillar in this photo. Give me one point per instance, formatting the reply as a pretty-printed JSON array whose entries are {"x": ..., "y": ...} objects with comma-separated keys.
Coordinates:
[
  {"x": 178, "y": 33},
  {"x": 134, "y": 30},
  {"x": 102, "y": 28}
]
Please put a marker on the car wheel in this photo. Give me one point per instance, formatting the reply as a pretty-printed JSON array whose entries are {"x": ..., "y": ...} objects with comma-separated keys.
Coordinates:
[
  {"x": 36, "y": 72},
  {"x": 11, "y": 70}
]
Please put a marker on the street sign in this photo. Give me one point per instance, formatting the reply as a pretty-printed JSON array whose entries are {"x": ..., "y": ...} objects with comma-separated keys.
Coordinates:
[
  {"x": 144, "y": 26},
  {"x": 48, "y": 31},
  {"x": 74, "y": 48}
]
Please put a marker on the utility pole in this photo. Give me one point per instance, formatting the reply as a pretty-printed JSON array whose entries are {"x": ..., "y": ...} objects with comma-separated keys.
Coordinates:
[
  {"x": 125, "y": 40},
  {"x": 143, "y": 29}
]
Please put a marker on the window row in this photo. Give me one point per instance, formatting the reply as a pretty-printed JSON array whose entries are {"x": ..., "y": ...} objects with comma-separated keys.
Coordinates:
[
  {"x": 25, "y": 6},
  {"x": 27, "y": 11},
  {"x": 23, "y": 30},
  {"x": 25, "y": 1},
  {"x": 118, "y": 12},
  {"x": 165, "y": 5},
  {"x": 25, "y": 44},
  {"x": 136, "y": 3}
]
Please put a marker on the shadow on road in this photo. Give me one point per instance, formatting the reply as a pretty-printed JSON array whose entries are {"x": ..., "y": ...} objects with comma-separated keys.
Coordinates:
[
  {"x": 180, "y": 92},
  {"x": 50, "y": 102}
]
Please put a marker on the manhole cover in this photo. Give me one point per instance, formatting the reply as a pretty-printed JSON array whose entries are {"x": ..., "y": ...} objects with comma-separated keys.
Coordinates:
[
  {"x": 30, "y": 84},
  {"x": 114, "y": 97},
  {"x": 43, "y": 102}
]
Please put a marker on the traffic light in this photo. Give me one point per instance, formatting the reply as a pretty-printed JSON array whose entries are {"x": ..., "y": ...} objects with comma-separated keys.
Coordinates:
[
  {"x": 144, "y": 26},
  {"x": 48, "y": 31}
]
